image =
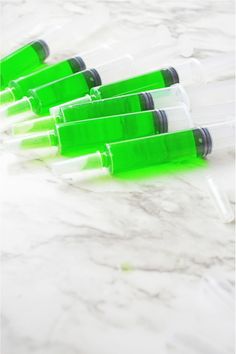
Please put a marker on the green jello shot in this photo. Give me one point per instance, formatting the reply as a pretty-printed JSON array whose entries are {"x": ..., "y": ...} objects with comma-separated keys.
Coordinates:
[
  {"x": 150, "y": 151},
  {"x": 144, "y": 152},
  {"x": 41, "y": 99},
  {"x": 86, "y": 136},
  {"x": 19, "y": 88},
  {"x": 22, "y": 61},
  {"x": 149, "y": 81},
  {"x": 132, "y": 103}
]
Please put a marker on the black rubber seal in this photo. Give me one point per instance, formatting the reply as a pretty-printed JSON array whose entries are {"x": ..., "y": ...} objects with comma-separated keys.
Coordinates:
[
  {"x": 161, "y": 121},
  {"x": 170, "y": 75},
  {"x": 146, "y": 101},
  {"x": 203, "y": 141},
  {"x": 93, "y": 78},
  {"x": 77, "y": 64},
  {"x": 41, "y": 48}
]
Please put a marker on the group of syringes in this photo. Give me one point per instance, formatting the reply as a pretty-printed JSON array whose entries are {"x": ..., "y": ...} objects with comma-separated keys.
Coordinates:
[{"x": 118, "y": 107}]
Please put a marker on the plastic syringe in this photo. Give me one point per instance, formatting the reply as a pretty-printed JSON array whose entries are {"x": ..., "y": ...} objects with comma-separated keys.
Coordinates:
[
  {"x": 41, "y": 99},
  {"x": 31, "y": 56},
  {"x": 73, "y": 30},
  {"x": 219, "y": 110},
  {"x": 153, "y": 150},
  {"x": 69, "y": 28},
  {"x": 86, "y": 136},
  {"x": 189, "y": 72},
  {"x": 191, "y": 96},
  {"x": 19, "y": 88},
  {"x": 23, "y": 61}
]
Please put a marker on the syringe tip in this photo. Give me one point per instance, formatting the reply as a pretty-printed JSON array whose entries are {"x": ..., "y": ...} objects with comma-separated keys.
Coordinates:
[
  {"x": 6, "y": 96},
  {"x": 78, "y": 164}
]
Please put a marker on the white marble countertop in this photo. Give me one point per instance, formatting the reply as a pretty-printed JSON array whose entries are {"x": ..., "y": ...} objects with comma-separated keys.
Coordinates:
[{"x": 112, "y": 266}]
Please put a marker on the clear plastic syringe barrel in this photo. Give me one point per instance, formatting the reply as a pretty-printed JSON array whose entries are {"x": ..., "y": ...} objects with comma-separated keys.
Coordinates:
[
  {"x": 20, "y": 87},
  {"x": 116, "y": 69},
  {"x": 219, "y": 66},
  {"x": 154, "y": 150},
  {"x": 92, "y": 134},
  {"x": 156, "y": 99},
  {"x": 222, "y": 135},
  {"x": 185, "y": 73},
  {"x": 170, "y": 96},
  {"x": 22, "y": 61},
  {"x": 205, "y": 70},
  {"x": 211, "y": 93},
  {"x": 42, "y": 98},
  {"x": 130, "y": 79},
  {"x": 139, "y": 44},
  {"x": 163, "y": 54},
  {"x": 124, "y": 104},
  {"x": 213, "y": 113},
  {"x": 121, "y": 67},
  {"x": 188, "y": 72},
  {"x": 77, "y": 30},
  {"x": 141, "y": 61},
  {"x": 168, "y": 147},
  {"x": 99, "y": 55}
]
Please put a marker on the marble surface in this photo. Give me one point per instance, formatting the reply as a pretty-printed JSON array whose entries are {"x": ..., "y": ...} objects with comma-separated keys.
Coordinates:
[{"x": 117, "y": 266}]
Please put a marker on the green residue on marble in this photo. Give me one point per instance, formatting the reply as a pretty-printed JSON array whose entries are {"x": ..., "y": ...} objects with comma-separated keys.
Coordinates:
[{"x": 126, "y": 267}]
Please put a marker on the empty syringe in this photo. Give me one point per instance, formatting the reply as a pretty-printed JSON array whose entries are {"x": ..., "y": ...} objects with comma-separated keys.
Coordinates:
[
  {"x": 153, "y": 150},
  {"x": 74, "y": 30}
]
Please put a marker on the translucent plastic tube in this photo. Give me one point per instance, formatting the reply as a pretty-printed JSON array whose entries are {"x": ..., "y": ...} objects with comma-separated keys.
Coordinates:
[
  {"x": 79, "y": 137},
  {"x": 31, "y": 56},
  {"x": 89, "y": 135},
  {"x": 137, "y": 102},
  {"x": 221, "y": 201},
  {"x": 153, "y": 150},
  {"x": 19, "y": 88},
  {"x": 211, "y": 93},
  {"x": 189, "y": 72},
  {"x": 41, "y": 99},
  {"x": 77, "y": 29},
  {"x": 56, "y": 27},
  {"x": 218, "y": 112},
  {"x": 172, "y": 96},
  {"x": 22, "y": 61}
]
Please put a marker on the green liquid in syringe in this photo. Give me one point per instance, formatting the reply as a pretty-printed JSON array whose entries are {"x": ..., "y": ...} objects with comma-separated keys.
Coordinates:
[
  {"x": 78, "y": 138},
  {"x": 131, "y": 103},
  {"x": 92, "y": 135},
  {"x": 41, "y": 99},
  {"x": 19, "y": 88},
  {"x": 118, "y": 105},
  {"x": 149, "y": 81},
  {"x": 148, "y": 152},
  {"x": 154, "y": 150},
  {"x": 44, "y": 97},
  {"x": 22, "y": 61}
]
